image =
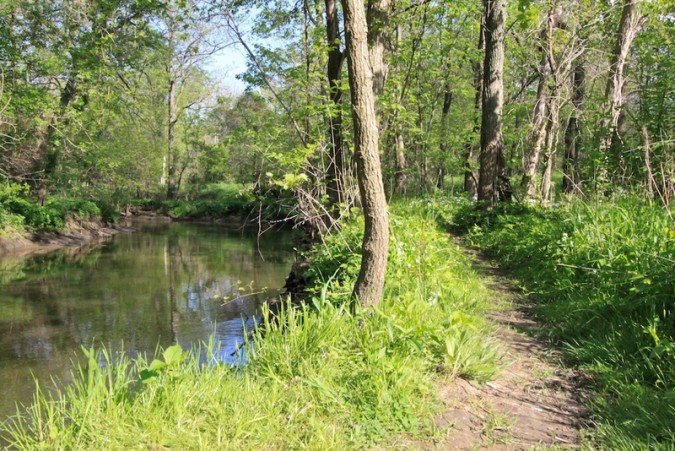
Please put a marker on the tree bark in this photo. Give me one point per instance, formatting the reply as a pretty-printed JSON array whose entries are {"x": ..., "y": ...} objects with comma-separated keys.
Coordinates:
[
  {"x": 171, "y": 140},
  {"x": 335, "y": 170},
  {"x": 549, "y": 150},
  {"x": 539, "y": 120},
  {"x": 470, "y": 157},
  {"x": 491, "y": 139},
  {"x": 573, "y": 149},
  {"x": 614, "y": 94},
  {"x": 647, "y": 147},
  {"x": 445, "y": 123},
  {"x": 370, "y": 283},
  {"x": 400, "y": 176},
  {"x": 400, "y": 161},
  {"x": 379, "y": 41}
]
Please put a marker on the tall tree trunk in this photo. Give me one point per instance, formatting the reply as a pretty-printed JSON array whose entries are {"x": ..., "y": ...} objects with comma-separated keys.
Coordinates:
[
  {"x": 171, "y": 140},
  {"x": 573, "y": 150},
  {"x": 48, "y": 153},
  {"x": 539, "y": 120},
  {"x": 400, "y": 162},
  {"x": 550, "y": 148},
  {"x": 491, "y": 139},
  {"x": 445, "y": 124},
  {"x": 400, "y": 175},
  {"x": 471, "y": 155},
  {"x": 629, "y": 26},
  {"x": 370, "y": 283},
  {"x": 335, "y": 170},
  {"x": 647, "y": 147},
  {"x": 379, "y": 40}
]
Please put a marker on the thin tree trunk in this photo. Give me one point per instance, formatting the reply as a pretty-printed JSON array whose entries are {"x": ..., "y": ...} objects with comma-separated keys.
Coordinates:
[
  {"x": 171, "y": 140},
  {"x": 491, "y": 139},
  {"x": 400, "y": 176},
  {"x": 335, "y": 170},
  {"x": 629, "y": 26},
  {"x": 445, "y": 124},
  {"x": 378, "y": 40},
  {"x": 573, "y": 150},
  {"x": 539, "y": 123},
  {"x": 369, "y": 286},
  {"x": 472, "y": 151},
  {"x": 646, "y": 144},
  {"x": 549, "y": 153},
  {"x": 400, "y": 162}
]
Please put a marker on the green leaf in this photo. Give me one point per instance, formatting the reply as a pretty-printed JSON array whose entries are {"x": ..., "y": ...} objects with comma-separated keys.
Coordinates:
[
  {"x": 173, "y": 355},
  {"x": 157, "y": 365}
]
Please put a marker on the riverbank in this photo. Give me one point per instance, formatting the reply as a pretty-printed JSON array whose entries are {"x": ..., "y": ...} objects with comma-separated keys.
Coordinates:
[
  {"x": 318, "y": 377},
  {"x": 75, "y": 233}
]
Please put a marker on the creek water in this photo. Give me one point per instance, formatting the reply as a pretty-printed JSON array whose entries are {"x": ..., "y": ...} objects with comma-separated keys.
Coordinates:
[{"x": 163, "y": 284}]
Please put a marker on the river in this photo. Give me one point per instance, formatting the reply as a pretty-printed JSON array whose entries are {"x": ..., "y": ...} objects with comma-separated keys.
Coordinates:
[{"x": 163, "y": 284}]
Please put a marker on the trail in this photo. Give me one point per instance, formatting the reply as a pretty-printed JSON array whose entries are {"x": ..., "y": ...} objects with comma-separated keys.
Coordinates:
[{"x": 533, "y": 403}]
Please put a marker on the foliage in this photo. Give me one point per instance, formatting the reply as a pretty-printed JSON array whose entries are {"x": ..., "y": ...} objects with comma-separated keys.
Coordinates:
[
  {"x": 318, "y": 376},
  {"x": 17, "y": 210},
  {"x": 602, "y": 274}
]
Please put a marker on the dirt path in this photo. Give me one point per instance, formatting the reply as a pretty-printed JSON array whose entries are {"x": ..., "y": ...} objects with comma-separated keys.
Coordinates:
[{"x": 532, "y": 404}]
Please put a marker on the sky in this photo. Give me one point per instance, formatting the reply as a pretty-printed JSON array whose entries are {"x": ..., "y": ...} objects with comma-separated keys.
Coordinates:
[{"x": 226, "y": 65}]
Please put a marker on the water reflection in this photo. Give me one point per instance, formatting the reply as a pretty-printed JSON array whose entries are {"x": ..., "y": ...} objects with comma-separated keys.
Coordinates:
[{"x": 161, "y": 285}]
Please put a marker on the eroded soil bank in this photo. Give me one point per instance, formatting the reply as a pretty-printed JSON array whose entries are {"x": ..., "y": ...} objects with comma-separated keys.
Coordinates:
[{"x": 76, "y": 233}]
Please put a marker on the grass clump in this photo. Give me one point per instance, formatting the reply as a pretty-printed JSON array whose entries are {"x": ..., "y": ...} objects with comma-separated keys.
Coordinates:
[
  {"x": 318, "y": 377},
  {"x": 602, "y": 275}
]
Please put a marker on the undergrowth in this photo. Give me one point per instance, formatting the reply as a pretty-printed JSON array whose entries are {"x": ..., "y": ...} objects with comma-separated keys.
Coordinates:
[
  {"x": 603, "y": 277},
  {"x": 222, "y": 200},
  {"x": 20, "y": 212},
  {"x": 318, "y": 377}
]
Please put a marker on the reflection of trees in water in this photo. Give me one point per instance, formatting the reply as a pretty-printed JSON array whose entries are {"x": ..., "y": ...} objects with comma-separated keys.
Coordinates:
[
  {"x": 140, "y": 290},
  {"x": 201, "y": 272}
]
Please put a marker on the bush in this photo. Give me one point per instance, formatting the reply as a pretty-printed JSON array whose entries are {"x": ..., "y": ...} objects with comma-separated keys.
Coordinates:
[{"x": 50, "y": 217}]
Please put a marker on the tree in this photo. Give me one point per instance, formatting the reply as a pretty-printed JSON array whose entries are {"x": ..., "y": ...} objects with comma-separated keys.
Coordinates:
[
  {"x": 187, "y": 46},
  {"x": 379, "y": 41},
  {"x": 573, "y": 143},
  {"x": 369, "y": 286},
  {"x": 336, "y": 165},
  {"x": 539, "y": 118},
  {"x": 491, "y": 139},
  {"x": 613, "y": 125},
  {"x": 59, "y": 56}
]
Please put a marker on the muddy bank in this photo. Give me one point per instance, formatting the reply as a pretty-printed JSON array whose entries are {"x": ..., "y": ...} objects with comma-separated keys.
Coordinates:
[{"x": 76, "y": 233}]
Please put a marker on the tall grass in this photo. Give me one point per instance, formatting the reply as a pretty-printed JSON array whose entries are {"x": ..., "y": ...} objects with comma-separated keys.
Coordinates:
[
  {"x": 603, "y": 274},
  {"x": 319, "y": 377}
]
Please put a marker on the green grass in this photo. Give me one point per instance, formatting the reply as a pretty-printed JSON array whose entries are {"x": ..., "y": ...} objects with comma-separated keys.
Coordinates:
[
  {"x": 320, "y": 377},
  {"x": 602, "y": 276}
]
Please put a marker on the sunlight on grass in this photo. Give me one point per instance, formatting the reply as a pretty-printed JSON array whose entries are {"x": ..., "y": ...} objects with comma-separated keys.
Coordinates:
[{"x": 316, "y": 377}]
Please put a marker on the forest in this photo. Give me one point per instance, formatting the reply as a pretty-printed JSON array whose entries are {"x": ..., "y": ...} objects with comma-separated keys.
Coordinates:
[{"x": 395, "y": 135}]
